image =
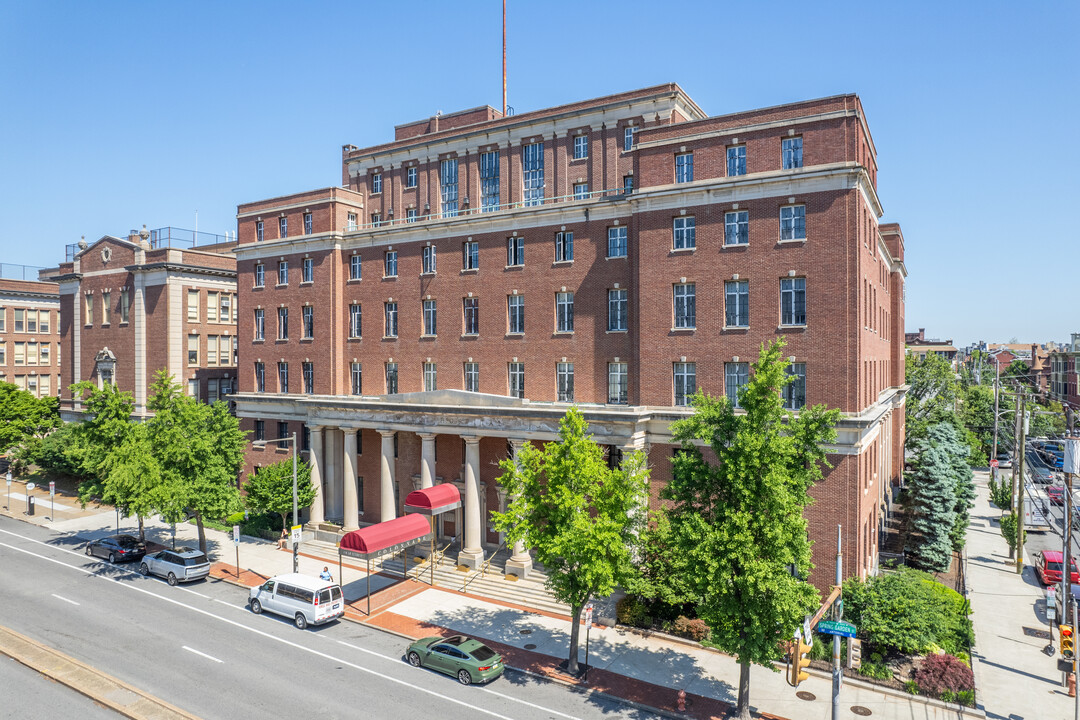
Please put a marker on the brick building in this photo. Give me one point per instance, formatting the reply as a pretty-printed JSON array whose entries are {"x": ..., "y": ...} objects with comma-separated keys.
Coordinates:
[
  {"x": 479, "y": 274},
  {"x": 1064, "y": 377},
  {"x": 156, "y": 299},
  {"x": 29, "y": 331}
]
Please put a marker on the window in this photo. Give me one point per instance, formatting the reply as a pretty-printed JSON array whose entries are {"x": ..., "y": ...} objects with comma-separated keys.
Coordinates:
[
  {"x": 355, "y": 321},
  {"x": 192, "y": 306},
  {"x": 616, "y": 241},
  {"x": 737, "y": 228},
  {"x": 517, "y": 379},
  {"x": 410, "y": 176},
  {"x": 533, "y": 167},
  {"x": 307, "y": 223},
  {"x": 226, "y": 307},
  {"x": 376, "y": 219},
  {"x": 390, "y": 264},
  {"x": 685, "y": 306},
  {"x": 307, "y": 315},
  {"x": 564, "y": 312},
  {"x": 628, "y": 184},
  {"x": 283, "y": 272},
  {"x": 617, "y": 309},
  {"x": 283, "y": 227},
  {"x": 376, "y": 183},
  {"x": 20, "y": 353},
  {"x": 617, "y": 383},
  {"x": 472, "y": 316},
  {"x": 125, "y": 310},
  {"x": 20, "y": 320},
  {"x": 793, "y": 301},
  {"x": 449, "y": 187},
  {"x": 3, "y": 353},
  {"x": 684, "y": 168},
  {"x": 259, "y": 231},
  {"x": 581, "y": 191},
  {"x": 282, "y": 433},
  {"x": 88, "y": 309},
  {"x": 685, "y": 233},
  {"x": 390, "y": 313},
  {"x": 44, "y": 356},
  {"x": 307, "y": 270},
  {"x": 685, "y": 382},
  {"x": 260, "y": 324},
  {"x": 737, "y": 303},
  {"x": 260, "y": 275},
  {"x": 515, "y": 251},
  {"x": 736, "y": 376},
  {"x": 581, "y": 147},
  {"x": 44, "y": 386},
  {"x": 351, "y": 222},
  {"x": 795, "y": 391},
  {"x": 192, "y": 349},
  {"x": 515, "y": 313},
  {"x": 283, "y": 377},
  {"x": 564, "y": 376},
  {"x": 736, "y": 160},
  {"x": 31, "y": 353},
  {"x": 356, "y": 372},
  {"x": 391, "y": 378},
  {"x": 260, "y": 377},
  {"x": 564, "y": 247},
  {"x": 793, "y": 222},
  {"x": 212, "y": 307},
  {"x": 283, "y": 323},
  {"x": 427, "y": 258},
  {"x": 431, "y": 383},
  {"x": 470, "y": 255},
  {"x": 3, "y": 320},
  {"x": 260, "y": 430},
  {"x": 410, "y": 215},
  {"x": 309, "y": 377},
  {"x": 489, "y": 181},
  {"x": 791, "y": 153},
  {"x": 211, "y": 349},
  {"x": 429, "y": 317},
  {"x": 628, "y": 138},
  {"x": 472, "y": 377},
  {"x": 32, "y": 315}
]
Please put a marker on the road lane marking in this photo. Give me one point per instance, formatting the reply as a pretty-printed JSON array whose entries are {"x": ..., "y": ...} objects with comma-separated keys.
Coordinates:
[
  {"x": 208, "y": 657},
  {"x": 64, "y": 599},
  {"x": 198, "y": 593},
  {"x": 412, "y": 687}
]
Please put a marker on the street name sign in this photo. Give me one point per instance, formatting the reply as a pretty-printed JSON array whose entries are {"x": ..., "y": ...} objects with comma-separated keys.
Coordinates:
[{"x": 836, "y": 627}]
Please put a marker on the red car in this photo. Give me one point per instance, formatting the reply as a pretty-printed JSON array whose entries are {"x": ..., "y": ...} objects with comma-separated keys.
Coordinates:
[
  {"x": 1049, "y": 564},
  {"x": 1056, "y": 493}
]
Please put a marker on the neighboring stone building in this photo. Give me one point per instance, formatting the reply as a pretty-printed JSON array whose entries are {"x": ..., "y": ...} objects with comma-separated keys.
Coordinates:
[
  {"x": 131, "y": 306},
  {"x": 1064, "y": 382},
  {"x": 29, "y": 331},
  {"x": 481, "y": 273}
]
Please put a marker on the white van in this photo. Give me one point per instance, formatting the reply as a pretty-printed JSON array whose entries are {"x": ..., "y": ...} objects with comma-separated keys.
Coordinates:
[{"x": 307, "y": 600}]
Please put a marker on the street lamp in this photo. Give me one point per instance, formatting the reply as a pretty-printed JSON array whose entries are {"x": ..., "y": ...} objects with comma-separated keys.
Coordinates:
[{"x": 295, "y": 509}]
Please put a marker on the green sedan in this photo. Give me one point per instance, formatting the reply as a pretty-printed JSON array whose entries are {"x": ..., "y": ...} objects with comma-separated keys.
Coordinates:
[{"x": 467, "y": 659}]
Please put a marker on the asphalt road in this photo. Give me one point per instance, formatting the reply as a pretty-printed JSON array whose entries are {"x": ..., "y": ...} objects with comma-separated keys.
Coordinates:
[
  {"x": 1054, "y": 513},
  {"x": 198, "y": 647},
  {"x": 30, "y": 696}
]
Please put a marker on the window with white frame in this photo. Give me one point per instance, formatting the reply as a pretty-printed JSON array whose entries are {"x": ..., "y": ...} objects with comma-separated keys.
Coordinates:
[
  {"x": 390, "y": 317},
  {"x": 351, "y": 223},
  {"x": 472, "y": 377},
  {"x": 581, "y": 191},
  {"x": 429, "y": 317},
  {"x": 736, "y": 303},
  {"x": 736, "y": 377},
  {"x": 737, "y": 227},
  {"x": 791, "y": 152},
  {"x": 192, "y": 349},
  {"x": 260, "y": 275},
  {"x": 489, "y": 181},
  {"x": 471, "y": 309},
  {"x": 259, "y": 231},
  {"x": 211, "y": 349},
  {"x": 125, "y": 310},
  {"x": 431, "y": 378},
  {"x": 192, "y": 306},
  {"x": 106, "y": 309},
  {"x": 736, "y": 160},
  {"x": 354, "y": 267},
  {"x": 283, "y": 272},
  {"x": 564, "y": 312},
  {"x": 355, "y": 321},
  {"x": 470, "y": 255},
  {"x": 564, "y": 377},
  {"x": 516, "y": 378},
  {"x": 410, "y": 215},
  {"x": 283, "y": 227},
  {"x": 307, "y": 270},
  {"x": 581, "y": 147},
  {"x": 795, "y": 390},
  {"x": 628, "y": 138},
  {"x": 357, "y": 376},
  {"x": 617, "y": 384},
  {"x": 390, "y": 264},
  {"x": 391, "y": 378},
  {"x": 3, "y": 320},
  {"x": 515, "y": 251},
  {"x": 3, "y": 353},
  {"x": 618, "y": 312},
  {"x": 376, "y": 219},
  {"x": 212, "y": 307},
  {"x": 307, "y": 223},
  {"x": 43, "y": 353},
  {"x": 309, "y": 378},
  {"x": 515, "y": 314},
  {"x": 88, "y": 308},
  {"x": 376, "y": 183},
  {"x": 684, "y": 167},
  {"x": 32, "y": 315},
  {"x": 685, "y": 376},
  {"x": 685, "y": 233},
  {"x": 792, "y": 301},
  {"x": 410, "y": 176},
  {"x": 448, "y": 185},
  {"x": 283, "y": 377},
  {"x": 283, "y": 323},
  {"x": 260, "y": 324},
  {"x": 427, "y": 260},
  {"x": 793, "y": 222},
  {"x": 307, "y": 314},
  {"x": 260, "y": 377},
  {"x": 685, "y": 306},
  {"x": 533, "y": 169},
  {"x": 616, "y": 241},
  {"x": 564, "y": 246}
]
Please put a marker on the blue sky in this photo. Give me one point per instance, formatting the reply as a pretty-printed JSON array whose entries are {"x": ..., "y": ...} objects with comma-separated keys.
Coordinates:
[{"x": 116, "y": 114}]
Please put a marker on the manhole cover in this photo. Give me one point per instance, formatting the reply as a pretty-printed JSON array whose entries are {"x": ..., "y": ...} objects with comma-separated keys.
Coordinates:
[
  {"x": 1035, "y": 633},
  {"x": 530, "y": 646},
  {"x": 525, "y": 632},
  {"x": 860, "y": 710},
  {"x": 804, "y": 695}
]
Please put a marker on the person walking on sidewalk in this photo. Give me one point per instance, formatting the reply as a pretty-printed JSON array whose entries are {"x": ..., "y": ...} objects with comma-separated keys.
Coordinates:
[{"x": 325, "y": 574}]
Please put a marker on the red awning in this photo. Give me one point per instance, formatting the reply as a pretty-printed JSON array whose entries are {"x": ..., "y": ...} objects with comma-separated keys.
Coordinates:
[
  {"x": 392, "y": 535},
  {"x": 433, "y": 500}
]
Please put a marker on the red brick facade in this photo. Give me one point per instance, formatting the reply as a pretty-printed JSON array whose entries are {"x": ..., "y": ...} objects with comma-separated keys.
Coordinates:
[{"x": 30, "y": 353}]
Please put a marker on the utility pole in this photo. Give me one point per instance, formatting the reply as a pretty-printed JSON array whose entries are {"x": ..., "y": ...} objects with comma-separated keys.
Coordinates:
[
  {"x": 994, "y": 452},
  {"x": 1018, "y": 484},
  {"x": 1018, "y": 453},
  {"x": 838, "y": 614}
]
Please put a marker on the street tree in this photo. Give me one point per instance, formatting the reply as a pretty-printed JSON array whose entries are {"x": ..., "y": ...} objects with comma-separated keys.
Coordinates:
[
  {"x": 108, "y": 425},
  {"x": 580, "y": 516},
  {"x": 24, "y": 417},
  {"x": 932, "y": 392},
  {"x": 938, "y": 488},
  {"x": 270, "y": 488},
  {"x": 736, "y": 516}
]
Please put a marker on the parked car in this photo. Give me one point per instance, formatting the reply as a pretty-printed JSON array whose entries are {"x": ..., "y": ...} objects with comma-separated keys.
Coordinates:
[
  {"x": 180, "y": 565},
  {"x": 1043, "y": 476},
  {"x": 1049, "y": 563},
  {"x": 116, "y": 548},
  {"x": 1004, "y": 460},
  {"x": 1056, "y": 493},
  {"x": 307, "y": 600},
  {"x": 466, "y": 659}
]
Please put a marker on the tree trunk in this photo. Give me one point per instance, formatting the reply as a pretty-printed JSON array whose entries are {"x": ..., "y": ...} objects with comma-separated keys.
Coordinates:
[
  {"x": 142, "y": 530},
  {"x": 202, "y": 533},
  {"x": 575, "y": 635},
  {"x": 742, "y": 709}
]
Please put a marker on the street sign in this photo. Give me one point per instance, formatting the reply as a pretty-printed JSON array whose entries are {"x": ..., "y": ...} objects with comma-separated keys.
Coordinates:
[
  {"x": 30, "y": 486},
  {"x": 588, "y": 614},
  {"x": 296, "y": 533},
  {"x": 1051, "y": 613},
  {"x": 806, "y": 631},
  {"x": 236, "y": 534},
  {"x": 836, "y": 627},
  {"x": 993, "y": 463},
  {"x": 52, "y": 488}
]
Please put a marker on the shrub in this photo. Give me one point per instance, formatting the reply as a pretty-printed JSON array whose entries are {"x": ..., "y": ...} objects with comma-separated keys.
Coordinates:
[
  {"x": 264, "y": 525},
  {"x": 966, "y": 697},
  {"x": 938, "y": 674},
  {"x": 879, "y": 671},
  {"x": 236, "y": 518},
  {"x": 911, "y": 687},
  {"x": 631, "y": 611},
  {"x": 695, "y": 629}
]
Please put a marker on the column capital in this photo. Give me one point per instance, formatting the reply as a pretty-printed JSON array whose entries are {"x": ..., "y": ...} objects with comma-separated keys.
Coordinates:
[
  {"x": 315, "y": 428},
  {"x": 518, "y": 443},
  {"x": 471, "y": 439},
  {"x": 427, "y": 436},
  {"x": 387, "y": 433}
]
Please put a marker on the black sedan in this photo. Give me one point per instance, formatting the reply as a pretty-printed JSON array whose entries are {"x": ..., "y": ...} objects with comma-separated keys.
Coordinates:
[{"x": 116, "y": 548}]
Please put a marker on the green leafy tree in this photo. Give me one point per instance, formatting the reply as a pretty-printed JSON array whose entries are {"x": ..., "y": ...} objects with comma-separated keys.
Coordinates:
[
  {"x": 60, "y": 452},
  {"x": 24, "y": 417},
  {"x": 737, "y": 521},
  {"x": 580, "y": 516},
  {"x": 931, "y": 396},
  {"x": 269, "y": 489},
  {"x": 1048, "y": 420},
  {"x": 106, "y": 428},
  {"x": 940, "y": 486}
]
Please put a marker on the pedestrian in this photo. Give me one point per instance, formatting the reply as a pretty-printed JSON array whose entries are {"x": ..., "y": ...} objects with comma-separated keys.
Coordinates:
[
  {"x": 283, "y": 541},
  {"x": 325, "y": 574}
]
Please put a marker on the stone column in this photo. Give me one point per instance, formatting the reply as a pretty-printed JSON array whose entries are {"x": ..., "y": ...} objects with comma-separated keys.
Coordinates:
[
  {"x": 427, "y": 461},
  {"x": 472, "y": 554},
  {"x": 386, "y": 487},
  {"x": 352, "y": 512},
  {"x": 315, "y": 513},
  {"x": 520, "y": 562}
]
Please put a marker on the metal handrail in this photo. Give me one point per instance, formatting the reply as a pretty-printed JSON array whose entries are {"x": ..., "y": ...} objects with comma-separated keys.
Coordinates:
[
  {"x": 436, "y": 558},
  {"x": 482, "y": 572}
]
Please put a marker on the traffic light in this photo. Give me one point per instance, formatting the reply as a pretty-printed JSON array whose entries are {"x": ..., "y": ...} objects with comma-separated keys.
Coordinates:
[
  {"x": 1067, "y": 640},
  {"x": 799, "y": 659}
]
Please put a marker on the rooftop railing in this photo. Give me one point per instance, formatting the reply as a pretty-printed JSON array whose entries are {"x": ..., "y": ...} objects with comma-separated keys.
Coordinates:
[
  {"x": 168, "y": 237},
  {"x": 14, "y": 271}
]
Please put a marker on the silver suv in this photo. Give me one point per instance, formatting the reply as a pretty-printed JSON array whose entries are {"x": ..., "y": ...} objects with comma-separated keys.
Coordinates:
[{"x": 180, "y": 565}]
